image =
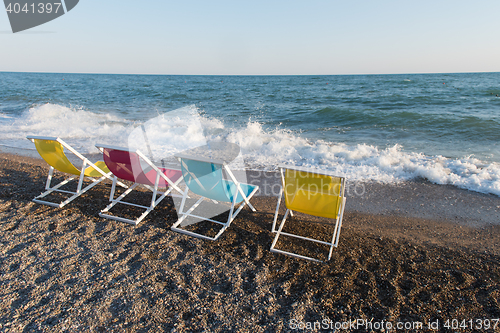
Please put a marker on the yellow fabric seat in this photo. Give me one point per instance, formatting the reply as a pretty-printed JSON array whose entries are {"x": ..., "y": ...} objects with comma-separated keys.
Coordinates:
[
  {"x": 312, "y": 194},
  {"x": 52, "y": 152},
  {"x": 91, "y": 172}
]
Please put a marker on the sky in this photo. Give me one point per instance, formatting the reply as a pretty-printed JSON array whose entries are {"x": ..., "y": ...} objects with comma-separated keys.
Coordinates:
[{"x": 314, "y": 37}]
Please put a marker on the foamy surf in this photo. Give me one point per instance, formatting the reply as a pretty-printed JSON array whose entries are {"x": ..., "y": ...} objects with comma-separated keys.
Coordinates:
[
  {"x": 262, "y": 148},
  {"x": 77, "y": 125},
  {"x": 265, "y": 149}
]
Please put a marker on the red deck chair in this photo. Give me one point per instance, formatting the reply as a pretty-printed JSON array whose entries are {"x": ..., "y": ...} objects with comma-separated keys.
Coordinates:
[{"x": 132, "y": 165}]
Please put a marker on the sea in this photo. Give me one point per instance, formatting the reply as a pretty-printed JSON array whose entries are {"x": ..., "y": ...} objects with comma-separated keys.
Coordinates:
[{"x": 444, "y": 128}]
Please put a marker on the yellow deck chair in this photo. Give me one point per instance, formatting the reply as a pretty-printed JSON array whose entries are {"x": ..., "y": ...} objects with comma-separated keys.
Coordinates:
[
  {"x": 51, "y": 149},
  {"x": 314, "y": 193}
]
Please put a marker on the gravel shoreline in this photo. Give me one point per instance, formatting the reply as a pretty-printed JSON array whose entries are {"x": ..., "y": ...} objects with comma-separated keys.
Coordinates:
[{"x": 68, "y": 270}]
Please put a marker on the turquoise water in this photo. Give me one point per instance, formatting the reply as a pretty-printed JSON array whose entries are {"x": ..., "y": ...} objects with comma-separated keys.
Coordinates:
[{"x": 388, "y": 128}]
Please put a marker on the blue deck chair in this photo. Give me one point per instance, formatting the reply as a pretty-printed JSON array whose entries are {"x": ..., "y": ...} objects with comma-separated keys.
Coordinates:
[{"x": 205, "y": 177}]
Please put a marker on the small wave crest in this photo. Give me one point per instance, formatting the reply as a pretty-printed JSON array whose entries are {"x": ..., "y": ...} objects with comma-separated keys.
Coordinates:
[
  {"x": 262, "y": 148},
  {"x": 265, "y": 149},
  {"x": 83, "y": 128},
  {"x": 72, "y": 123}
]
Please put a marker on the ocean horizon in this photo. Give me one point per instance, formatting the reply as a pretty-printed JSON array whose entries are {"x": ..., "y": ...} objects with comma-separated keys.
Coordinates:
[{"x": 384, "y": 128}]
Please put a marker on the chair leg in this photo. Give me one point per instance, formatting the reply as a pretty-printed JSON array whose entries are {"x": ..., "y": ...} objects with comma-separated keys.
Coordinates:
[
  {"x": 230, "y": 218},
  {"x": 237, "y": 183},
  {"x": 57, "y": 187},
  {"x": 143, "y": 215},
  {"x": 154, "y": 201},
  {"x": 183, "y": 201},
  {"x": 113, "y": 189},
  {"x": 175, "y": 226},
  {"x": 273, "y": 229},
  {"x": 341, "y": 215},
  {"x": 187, "y": 213},
  {"x": 117, "y": 200},
  {"x": 331, "y": 244},
  {"x": 335, "y": 235},
  {"x": 153, "y": 197},
  {"x": 82, "y": 174},
  {"x": 82, "y": 191},
  {"x": 279, "y": 230},
  {"x": 49, "y": 178},
  {"x": 336, "y": 232},
  {"x": 232, "y": 213},
  {"x": 243, "y": 204}
]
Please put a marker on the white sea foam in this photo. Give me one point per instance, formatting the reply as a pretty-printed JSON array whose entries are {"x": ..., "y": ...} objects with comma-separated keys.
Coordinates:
[
  {"x": 263, "y": 149},
  {"x": 78, "y": 126},
  {"x": 172, "y": 132}
]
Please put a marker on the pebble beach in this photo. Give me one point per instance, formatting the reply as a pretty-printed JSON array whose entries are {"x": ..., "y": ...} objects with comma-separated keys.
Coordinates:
[{"x": 68, "y": 270}]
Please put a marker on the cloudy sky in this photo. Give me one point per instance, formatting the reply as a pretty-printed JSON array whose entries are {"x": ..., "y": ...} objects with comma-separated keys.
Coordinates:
[{"x": 260, "y": 37}]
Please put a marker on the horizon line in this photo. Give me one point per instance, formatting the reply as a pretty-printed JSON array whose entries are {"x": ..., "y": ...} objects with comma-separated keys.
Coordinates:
[{"x": 150, "y": 74}]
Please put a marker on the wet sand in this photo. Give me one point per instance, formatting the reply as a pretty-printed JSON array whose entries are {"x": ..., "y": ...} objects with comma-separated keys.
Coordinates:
[{"x": 410, "y": 253}]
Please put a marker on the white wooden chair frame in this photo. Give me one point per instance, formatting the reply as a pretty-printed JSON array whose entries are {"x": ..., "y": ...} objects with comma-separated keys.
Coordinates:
[{"x": 338, "y": 223}]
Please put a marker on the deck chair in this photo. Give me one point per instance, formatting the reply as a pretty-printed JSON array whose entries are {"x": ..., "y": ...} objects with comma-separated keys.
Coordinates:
[
  {"x": 134, "y": 166},
  {"x": 314, "y": 193},
  {"x": 205, "y": 177},
  {"x": 51, "y": 149}
]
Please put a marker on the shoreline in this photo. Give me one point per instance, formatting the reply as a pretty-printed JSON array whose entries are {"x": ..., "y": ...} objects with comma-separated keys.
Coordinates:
[
  {"x": 417, "y": 198},
  {"x": 417, "y": 210},
  {"x": 70, "y": 270}
]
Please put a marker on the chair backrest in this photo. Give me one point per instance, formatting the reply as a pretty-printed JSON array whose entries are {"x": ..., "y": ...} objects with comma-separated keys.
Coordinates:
[
  {"x": 125, "y": 164},
  {"x": 205, "y": 179},
  {"x": 52, "y": 152},
  {"x": 121, "y": 163},
  {"x": 313, "y": 193}
]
